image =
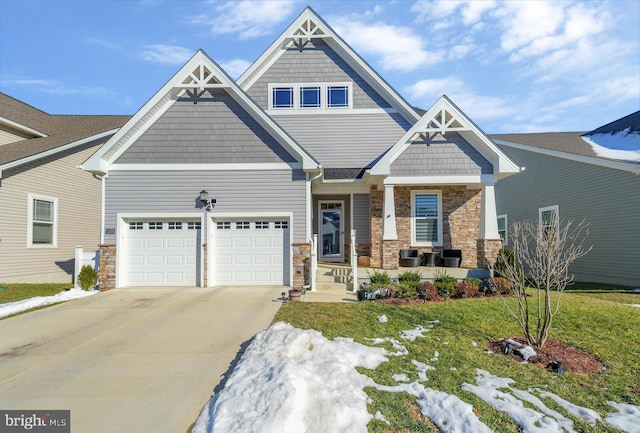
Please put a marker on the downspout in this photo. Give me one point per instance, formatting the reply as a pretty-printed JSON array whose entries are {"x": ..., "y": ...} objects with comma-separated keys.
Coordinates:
[{"x": 103, "y": 188}]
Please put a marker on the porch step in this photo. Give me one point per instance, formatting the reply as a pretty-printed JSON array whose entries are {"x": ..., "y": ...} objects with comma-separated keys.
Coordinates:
[{"x": 334, "y": 277}]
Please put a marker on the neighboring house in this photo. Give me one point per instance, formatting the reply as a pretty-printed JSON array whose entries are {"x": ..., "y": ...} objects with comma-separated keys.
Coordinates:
[
  {"x": 569, "y": 175},
  {"x": 310, "y": 140},
  {"x": 48, "y": 206}
]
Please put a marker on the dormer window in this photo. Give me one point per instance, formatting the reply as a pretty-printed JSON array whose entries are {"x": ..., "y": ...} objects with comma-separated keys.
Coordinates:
[
  {"x": 312, "y": 97},
  {"x": 337, "y": 96},
  {"x": 282, "y": 97}
]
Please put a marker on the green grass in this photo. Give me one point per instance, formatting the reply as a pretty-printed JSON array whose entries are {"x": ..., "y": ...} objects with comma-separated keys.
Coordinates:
[
  {"x": 590, "y": 318},
  {"x": 18, "y": 292}
]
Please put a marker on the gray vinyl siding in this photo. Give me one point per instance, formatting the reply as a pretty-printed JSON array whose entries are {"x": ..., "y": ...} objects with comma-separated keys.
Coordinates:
[
  {"x": 608, "y": 199},
  {"x": 216, "y": 129},
  {"x": 248, "y": 192},
  {"x": 361, "y": 219},
  {"x": 445, "y": 155},
  {"x": 78, "y": 195},
  {"x": 346, "y": 141},
  {"x": 315, "y": 63}
]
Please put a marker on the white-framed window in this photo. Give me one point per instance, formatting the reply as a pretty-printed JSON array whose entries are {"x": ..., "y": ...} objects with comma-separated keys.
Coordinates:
[
  {"x": 223, "y": 225},
  {"x": 310, "y": 96},
  {"x": 338, "y": 96},
  {"x": 156, "y": 225},
  {"x": 281, "y": 225},
  {"x": 43, "y": 222},
  {"x": 426, "y": 217},
  {"x": 243, "y": 225},
  {"x": 549, "y": 219},
  {"x": 282, "y": 97},
  {"x": 136, "y": 225},
  {"x": 262, "y": 225},
  {"x": 503, "y": 228},
  {"x": 175, "y": 225},
  {"x": 194, "y": 225}
]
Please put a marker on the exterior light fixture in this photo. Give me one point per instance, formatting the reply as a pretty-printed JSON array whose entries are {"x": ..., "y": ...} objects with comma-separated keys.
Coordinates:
[{"x": 207, "y": 203}]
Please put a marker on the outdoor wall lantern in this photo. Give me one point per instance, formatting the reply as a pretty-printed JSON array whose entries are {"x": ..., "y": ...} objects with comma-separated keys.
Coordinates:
[{"x": 207, "y": 203}]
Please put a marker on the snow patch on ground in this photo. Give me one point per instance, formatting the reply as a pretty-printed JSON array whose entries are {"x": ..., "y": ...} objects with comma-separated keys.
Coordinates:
[
  {"x": 296, "y": 381},
  {"x": 40, "y": 301}
]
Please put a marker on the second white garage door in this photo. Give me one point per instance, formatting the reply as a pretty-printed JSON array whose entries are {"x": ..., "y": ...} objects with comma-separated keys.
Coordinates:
[{"x": 251, "y": 252}]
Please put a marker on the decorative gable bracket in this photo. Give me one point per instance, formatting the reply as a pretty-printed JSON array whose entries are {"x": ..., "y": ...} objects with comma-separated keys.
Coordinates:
[{"x": 443, "y": 121}]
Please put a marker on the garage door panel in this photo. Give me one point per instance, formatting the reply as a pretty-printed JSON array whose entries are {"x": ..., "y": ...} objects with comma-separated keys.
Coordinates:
[
  {"x": 175, "y": 260},
  {"x": 262, "y": 259},
  {"x": 250, "y": 252},
  {"x": 155, "y": 243},
  {"x": 242, "y": 242},
  {"x": 163, "y": 253}
]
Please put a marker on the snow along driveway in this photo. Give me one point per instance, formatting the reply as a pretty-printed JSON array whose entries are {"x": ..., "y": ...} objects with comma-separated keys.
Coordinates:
[{"x": 296, "y": 381}]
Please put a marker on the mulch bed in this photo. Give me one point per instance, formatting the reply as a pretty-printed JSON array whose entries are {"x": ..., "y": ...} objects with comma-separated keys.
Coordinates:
[{"x": 554, "y": 355}]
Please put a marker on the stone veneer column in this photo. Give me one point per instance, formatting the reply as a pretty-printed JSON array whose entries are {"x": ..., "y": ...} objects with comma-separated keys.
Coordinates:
[
  {"x": 301, "y": 264},
  {"x": 375, "y": 211},
  {"x": 107, "y": 272},
  {"x": 390, "y": 255},
  {"x": 488, "y": 252}
]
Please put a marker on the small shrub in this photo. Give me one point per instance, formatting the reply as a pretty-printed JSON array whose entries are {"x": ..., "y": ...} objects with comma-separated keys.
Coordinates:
[
  {"x": 466, "y": 290},
  {"x": 413, "y": 276},
  {"x": 381, "y": 278},
  {"x": 428, "y": 291},
  {"x": 445, "y": 288},
  {"x": 505, "y": 258},
  {"x": 442, "y": 277},
  {"x": 407, "y": 290},
  {"x": 476, "y": 282},
  {"x": 500, "y": 285},
  {"x": 87, "y": 278}
]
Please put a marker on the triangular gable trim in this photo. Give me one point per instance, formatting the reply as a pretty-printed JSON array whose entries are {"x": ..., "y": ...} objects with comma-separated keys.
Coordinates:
[
  {"x": 444, "y": 116},
  {"x": 198, "y": 74},
  {"x": 309, "y": 25}
]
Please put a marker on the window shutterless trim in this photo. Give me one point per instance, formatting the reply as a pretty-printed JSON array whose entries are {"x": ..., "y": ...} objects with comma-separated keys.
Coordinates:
[{"x": 31, "y": 221}]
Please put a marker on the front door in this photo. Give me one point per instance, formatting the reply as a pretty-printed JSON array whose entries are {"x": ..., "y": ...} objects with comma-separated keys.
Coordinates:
[{"x": 331, "y": 231}]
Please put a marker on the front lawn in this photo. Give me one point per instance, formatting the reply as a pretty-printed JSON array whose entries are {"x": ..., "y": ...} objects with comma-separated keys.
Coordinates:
[
  {"x": 18, "y": 292},
  {"x": 598, "y": 323}
]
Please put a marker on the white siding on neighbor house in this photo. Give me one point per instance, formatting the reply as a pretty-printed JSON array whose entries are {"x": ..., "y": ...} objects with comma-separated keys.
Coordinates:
[
  {"x": 441, "y": 155},
  {"x": 315, "y": 63},
  {"x": 215, "y": 129},
  {"x": 608, "y": 199},
  {"x": 79, "y": 197},
  {"x": 240, "y": 191}
]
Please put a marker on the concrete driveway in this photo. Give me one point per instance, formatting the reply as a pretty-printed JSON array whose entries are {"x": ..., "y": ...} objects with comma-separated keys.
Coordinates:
[{"x": 130, "y": 360}]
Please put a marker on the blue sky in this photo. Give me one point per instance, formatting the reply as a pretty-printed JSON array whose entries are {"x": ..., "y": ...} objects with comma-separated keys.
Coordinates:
[{"x": 512, "y": 66}]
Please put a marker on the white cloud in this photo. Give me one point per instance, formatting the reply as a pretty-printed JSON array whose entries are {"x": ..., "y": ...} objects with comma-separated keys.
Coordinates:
[
  {"x": 103, "y": 43},
  {"x": 399, "y": 48},
  {"x": 248, "y": 18},
  {"x": 235, "y": 67},
  {"x": 169, "y": 54},
  {"x": 476, "y": 106},
  {"x": 56, "y": 87}
]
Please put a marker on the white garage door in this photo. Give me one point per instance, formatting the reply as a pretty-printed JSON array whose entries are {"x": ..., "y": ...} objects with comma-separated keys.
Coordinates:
[
  {"x": 163, "y": 253},
  {"x": 251, "y": 252}
]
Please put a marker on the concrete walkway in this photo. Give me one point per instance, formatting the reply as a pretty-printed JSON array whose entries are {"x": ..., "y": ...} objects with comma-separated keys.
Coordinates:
[{"x": 130, "y": 360}]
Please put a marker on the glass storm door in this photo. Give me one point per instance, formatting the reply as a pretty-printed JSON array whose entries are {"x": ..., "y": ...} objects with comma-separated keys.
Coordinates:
[{"x": 331, "y": 232}]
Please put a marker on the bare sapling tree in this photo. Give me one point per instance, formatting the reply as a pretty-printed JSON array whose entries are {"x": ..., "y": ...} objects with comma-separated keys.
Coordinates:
[{"x": 542, "y": 255}]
